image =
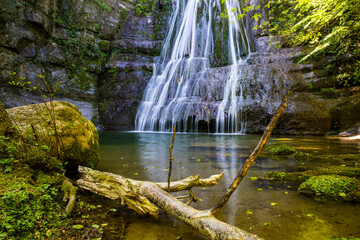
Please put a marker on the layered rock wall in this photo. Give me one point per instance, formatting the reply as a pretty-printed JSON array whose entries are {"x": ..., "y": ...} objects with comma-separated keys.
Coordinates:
[{"x": 99, "y": 55}]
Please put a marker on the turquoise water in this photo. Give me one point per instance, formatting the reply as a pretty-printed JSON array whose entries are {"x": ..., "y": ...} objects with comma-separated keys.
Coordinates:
[{"x": 145, "y": 156}]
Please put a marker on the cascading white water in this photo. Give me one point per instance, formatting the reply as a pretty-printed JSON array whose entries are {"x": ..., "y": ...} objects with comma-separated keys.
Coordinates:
[{"x": 172, "y": 95}]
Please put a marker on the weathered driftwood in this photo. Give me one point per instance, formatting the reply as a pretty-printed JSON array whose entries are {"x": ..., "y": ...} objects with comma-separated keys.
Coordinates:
[
  {"x": 145, "y": 197},
  {"x": 114, "y": 186}
]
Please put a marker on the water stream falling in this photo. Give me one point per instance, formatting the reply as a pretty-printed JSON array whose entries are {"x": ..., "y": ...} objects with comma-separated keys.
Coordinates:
[{"x": 174, "y": 93}]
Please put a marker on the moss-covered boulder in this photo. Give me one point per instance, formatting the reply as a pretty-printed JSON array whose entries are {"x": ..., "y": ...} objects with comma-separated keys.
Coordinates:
[
  {"x": 77, "y": 141},
  {"x": 331, "y": 187},
  {"x": 5, "y": 123},
  {"x": 280, "y": 149}
]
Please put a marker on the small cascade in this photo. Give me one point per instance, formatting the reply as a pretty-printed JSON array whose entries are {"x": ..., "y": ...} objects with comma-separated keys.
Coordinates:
[{"x": 175, "y": 93}]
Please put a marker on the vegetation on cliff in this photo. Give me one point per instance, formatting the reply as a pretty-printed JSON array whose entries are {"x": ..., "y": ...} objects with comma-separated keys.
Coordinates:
[{"x": 331, "y": 28}]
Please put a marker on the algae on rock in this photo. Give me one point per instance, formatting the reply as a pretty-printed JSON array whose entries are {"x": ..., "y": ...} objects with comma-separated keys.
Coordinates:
[{"x": 331, "y": 187}]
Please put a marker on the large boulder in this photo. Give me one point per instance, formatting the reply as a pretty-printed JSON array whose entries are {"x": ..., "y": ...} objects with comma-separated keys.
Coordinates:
[{"x": 77, "y": 136}]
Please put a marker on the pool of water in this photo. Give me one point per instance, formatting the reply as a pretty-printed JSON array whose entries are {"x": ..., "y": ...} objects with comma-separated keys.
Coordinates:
[{"x": 145, "y": 156}]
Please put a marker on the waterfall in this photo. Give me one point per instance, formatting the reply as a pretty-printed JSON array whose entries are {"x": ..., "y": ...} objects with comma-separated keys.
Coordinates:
[{"x": 174, "y": 94}]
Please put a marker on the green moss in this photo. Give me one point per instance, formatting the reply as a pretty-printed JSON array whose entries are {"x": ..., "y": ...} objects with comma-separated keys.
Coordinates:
[
  {"x": 329, "y": 93},
  {"x": 280, "y": 149},
  {"x": 104, "y": 45},
  {"x": 301, "y": 156},
  {"x": 283, "y": 177},
  {"x": 330, "y": 187},
  {"x": 103, "y": 5},
  {"x": 145, "y": 7}
]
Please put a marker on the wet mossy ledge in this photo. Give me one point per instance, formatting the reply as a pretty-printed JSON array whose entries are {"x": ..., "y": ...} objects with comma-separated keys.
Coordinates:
[{"x": 323, "y": 178}]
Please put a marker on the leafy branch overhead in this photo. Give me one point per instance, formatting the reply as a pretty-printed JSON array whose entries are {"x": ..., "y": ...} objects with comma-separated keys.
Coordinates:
[{"x": 331, "y": 28}]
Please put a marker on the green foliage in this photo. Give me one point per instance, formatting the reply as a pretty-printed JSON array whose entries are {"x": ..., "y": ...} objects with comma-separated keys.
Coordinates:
[
  {"x": 37, "y": 155},
  {"x": 342, "y": 238},
  {"x": 280, "y": 149},
  {"x": 329, "y": 93},
  {"x": 8, "y": 153},
  {"x": 331, "y": 27},
  {"x": 9, "y": 10},
  {"x": 28, "y": 209},
  {"x": 145, "y": 7},
  {"x": 103, "y": 5},
  {"x": 329, "y": 186}
]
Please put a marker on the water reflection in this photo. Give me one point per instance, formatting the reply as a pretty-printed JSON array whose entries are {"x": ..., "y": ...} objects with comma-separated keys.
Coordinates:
[{"x": 145, "y": 156}]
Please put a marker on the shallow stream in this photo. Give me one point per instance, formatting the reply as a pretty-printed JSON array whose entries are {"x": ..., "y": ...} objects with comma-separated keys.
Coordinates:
[{"x": 145, "y": 156}]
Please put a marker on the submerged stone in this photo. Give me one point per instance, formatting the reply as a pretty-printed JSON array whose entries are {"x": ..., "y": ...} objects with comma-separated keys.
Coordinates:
[
  {"x": 331, "y": 187},
  {"x": 280, "y": 149}
]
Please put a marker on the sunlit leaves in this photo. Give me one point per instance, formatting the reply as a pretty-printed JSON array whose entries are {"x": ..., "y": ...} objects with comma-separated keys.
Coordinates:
[{"x": 331, "y": 27}]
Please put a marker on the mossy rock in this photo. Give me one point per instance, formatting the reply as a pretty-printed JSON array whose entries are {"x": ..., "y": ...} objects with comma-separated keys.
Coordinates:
[
  {"x": 302, "y": 156},
  {"x": 282, "y": 179},
  {"x": 78, "y": 138},
  {"x": 331, "y": 187},
  {"x": 104, "y": 45},
  {"x": 5, "y": 123},
  {"x": 280, "y": 149}
]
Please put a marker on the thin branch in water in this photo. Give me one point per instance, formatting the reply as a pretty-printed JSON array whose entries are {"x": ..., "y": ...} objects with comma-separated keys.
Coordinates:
[
  {"x": 251, "y": 158},
  {"x": 192, "y": 197},
  {"x": 171, "y": 157}
]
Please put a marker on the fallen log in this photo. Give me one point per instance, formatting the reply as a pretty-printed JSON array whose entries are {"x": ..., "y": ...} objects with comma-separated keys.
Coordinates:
[
  {"x": 114, "y": 186},
  {"x": 145, "y": 197},
  {"x": 142, "y": 196}
]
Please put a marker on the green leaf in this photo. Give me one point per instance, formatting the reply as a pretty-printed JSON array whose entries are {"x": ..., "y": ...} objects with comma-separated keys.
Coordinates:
[
  {"x": 249, "y": 212},
  {"x": 78, "y": 226},
  {"x": 253, "y": 178},
  {"x": 274, "y": 204}
]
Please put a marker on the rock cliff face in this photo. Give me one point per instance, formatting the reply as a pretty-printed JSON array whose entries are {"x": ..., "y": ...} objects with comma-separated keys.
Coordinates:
[
  {"x": 57, "y": 45},
  {"x": 99, "y": 55}
]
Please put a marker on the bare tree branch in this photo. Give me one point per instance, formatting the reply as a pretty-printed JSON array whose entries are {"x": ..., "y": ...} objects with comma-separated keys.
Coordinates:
[{"x": 252, "y": 157}]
